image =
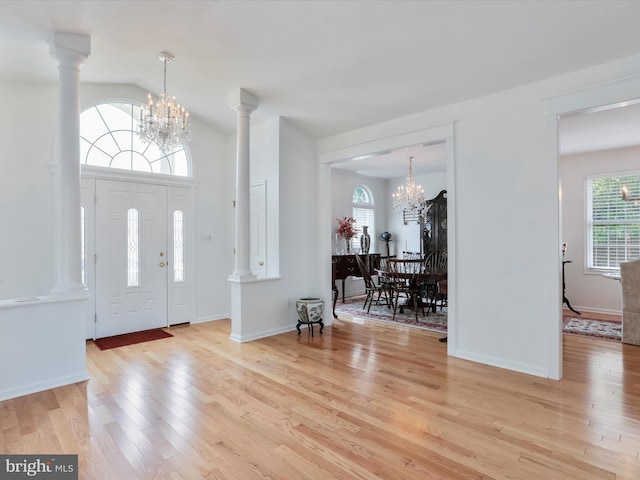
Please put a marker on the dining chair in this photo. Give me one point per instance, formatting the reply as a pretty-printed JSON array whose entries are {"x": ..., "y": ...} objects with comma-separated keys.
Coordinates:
[
  {"x": 383, "y": 277},
  {"x": 384, "y": 262},
  {"x": 371, "y": 287},
  {"x": 434, "y": 262},
  {"x": 442, "y": 292},
  {"x": 405, "y": 277}
]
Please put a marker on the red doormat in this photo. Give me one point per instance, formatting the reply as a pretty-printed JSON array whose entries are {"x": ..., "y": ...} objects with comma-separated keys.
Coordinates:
[{"x": 131, "y": 338}]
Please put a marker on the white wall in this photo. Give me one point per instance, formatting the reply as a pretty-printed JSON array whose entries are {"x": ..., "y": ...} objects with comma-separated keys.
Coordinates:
[
  {"x": 265, "y": 166},
  {"x": 26, "y": 193},
  {"x": 588, "y": 291},
  {"x": 343, "y": 183},
  {"x": 298, "y": 228},
  {"x": 42, "y": 344},
  {"x": 212, "y": 167},
  {"x": 28, "y": 129},
  {"x": 267, "y": 306},
  {"x": 507, "y": 290}
]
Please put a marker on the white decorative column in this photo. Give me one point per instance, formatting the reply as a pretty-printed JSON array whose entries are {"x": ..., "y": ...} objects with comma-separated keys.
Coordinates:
[
  {"x": 71, "y": 51},
  {"x": 59, "y": 318},
  {"x": 243, "y": 103}
]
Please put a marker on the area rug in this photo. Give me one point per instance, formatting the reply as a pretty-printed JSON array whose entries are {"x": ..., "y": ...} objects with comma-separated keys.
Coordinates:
[
  {"x": 592, "y": 328},
  {"x": 131, "y": 338},
  {"x": 352, "y": 307},
  {"x": 437, "y": 322}
]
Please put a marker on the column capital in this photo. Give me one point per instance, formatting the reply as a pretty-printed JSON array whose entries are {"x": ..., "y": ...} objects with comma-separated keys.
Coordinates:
[
  {"x": 70, "y": 46},
  {"x": 242, "y": 100}
]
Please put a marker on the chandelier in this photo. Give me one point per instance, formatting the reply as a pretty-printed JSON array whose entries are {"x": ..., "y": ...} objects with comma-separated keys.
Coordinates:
[
  {"x": 409, "y": 196},
  {"x": 166, "y": 123}
]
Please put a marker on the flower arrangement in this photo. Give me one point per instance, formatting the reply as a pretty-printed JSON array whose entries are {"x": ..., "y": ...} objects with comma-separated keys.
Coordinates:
[{"x": 346, "y": 228}]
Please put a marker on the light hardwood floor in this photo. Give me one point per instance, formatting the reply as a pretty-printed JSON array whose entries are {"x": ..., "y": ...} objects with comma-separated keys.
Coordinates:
[{"x": 371, "y": 401}]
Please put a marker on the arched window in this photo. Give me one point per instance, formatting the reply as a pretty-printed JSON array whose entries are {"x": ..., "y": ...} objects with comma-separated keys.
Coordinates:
[
  {"x": 363, "y": 212},
  {"x": 108, "y": 138}
]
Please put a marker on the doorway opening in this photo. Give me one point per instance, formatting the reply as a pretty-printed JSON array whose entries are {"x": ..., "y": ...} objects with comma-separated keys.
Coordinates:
[
  {"x": 374, "y": 147},
  {"x": 597, "y": 149}
]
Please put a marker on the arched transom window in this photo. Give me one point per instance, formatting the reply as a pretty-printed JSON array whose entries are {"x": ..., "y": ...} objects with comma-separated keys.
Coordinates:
[
  {"x": 363, "y": 212},
  {"x": 108, "y": 139}
]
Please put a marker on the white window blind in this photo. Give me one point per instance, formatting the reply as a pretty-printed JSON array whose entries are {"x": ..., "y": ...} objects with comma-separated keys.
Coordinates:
[{"x": 613, "y": 224}]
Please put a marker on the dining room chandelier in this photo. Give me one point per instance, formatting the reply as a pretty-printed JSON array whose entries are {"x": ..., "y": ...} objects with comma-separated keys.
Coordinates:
[
  {"x": 409, "y": 196},
  {"x": 166, "y": 123}
]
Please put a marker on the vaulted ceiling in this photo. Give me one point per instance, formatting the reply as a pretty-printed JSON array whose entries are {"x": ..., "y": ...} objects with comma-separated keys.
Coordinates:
[{"x": 327, "y": 66}]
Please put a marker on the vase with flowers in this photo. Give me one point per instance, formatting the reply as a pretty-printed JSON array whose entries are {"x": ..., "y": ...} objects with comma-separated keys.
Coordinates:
[{"x": 346, "y": 230}]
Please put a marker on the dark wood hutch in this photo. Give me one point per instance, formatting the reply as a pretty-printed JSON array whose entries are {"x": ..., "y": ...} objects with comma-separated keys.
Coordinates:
[{"x": 433, "y": 223}]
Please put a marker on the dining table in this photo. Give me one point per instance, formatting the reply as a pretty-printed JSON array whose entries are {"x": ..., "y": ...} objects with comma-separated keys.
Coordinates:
[{"x": 426, "y": 277}]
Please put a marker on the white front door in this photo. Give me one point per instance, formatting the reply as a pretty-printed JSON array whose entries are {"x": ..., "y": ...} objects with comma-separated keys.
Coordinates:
[{"x": 131, "y": 257}]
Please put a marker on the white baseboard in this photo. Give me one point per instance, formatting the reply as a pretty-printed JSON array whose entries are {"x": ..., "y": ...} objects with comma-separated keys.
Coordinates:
[
  {"x": 211, "y": 318},
  {"x": 263, "y": 334},
  {"x": 21, "y": 390},
  {"x": 500, "y": 363},
  {"x": 581, "y": 308}
]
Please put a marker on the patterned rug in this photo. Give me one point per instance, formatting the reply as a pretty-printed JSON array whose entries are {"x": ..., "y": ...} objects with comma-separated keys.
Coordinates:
[
  {"x": 438, "y": 322},
  {"x": 605, "y": 329},
  {"x": 352, "y": 307}
]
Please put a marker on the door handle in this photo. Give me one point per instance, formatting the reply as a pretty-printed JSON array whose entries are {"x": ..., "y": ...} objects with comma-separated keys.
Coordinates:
[{"x": 162, "y": 264}]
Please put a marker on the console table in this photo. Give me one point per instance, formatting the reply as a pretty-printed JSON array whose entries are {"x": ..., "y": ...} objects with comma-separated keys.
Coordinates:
[{"x": 347, "y": 266}]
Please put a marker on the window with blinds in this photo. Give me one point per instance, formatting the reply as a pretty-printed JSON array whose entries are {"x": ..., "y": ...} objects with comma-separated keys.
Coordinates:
[
  {"x": 613, "y": 224},
  {"x": 363, "y": 212}
]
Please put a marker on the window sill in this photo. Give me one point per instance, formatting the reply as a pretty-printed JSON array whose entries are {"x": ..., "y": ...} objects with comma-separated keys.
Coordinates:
[{"x": 608, "y": 271}]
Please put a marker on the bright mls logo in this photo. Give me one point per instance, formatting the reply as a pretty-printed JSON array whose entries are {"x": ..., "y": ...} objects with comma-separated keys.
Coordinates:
[{"x": 49, "y": 467}]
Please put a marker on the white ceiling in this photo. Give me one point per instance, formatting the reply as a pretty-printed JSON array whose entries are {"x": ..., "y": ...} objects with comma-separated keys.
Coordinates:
[
  {"x": 426, "y": 159},
  {"x": 327, "y": 66},
  {"x": 609, "y": 126}
]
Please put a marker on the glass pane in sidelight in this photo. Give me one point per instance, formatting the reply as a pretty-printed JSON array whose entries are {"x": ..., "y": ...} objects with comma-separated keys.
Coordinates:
[
  {"x": 82, "y": 246},
  {"x": 133, "y": 253},
  {"x": 178, "y": 246}
]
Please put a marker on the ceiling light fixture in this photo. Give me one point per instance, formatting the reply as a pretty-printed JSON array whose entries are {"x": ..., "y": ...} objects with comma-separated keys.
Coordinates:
[
  {"x": 166, "y": 123},
  {"x": 409, "y": 196}
]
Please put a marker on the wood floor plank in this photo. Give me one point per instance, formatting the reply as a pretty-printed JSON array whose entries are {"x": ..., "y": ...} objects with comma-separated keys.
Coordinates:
[{"x": 364, "y": 400}]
